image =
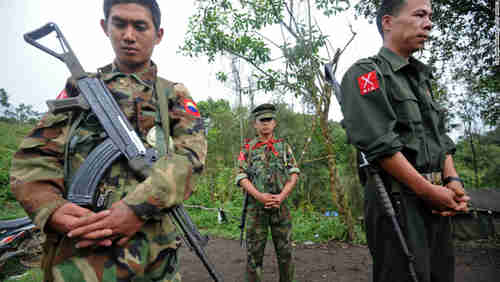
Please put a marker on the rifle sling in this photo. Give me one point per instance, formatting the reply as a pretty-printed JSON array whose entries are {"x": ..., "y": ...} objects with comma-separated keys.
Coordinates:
[{"x": 162, "y": 91}]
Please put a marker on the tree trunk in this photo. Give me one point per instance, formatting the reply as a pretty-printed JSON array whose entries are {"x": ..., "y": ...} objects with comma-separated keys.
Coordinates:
[{"x": 339, "y": 195}]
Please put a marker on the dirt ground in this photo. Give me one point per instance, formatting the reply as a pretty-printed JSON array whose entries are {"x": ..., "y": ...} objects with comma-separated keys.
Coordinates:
[{"x": 332, "y": 262}]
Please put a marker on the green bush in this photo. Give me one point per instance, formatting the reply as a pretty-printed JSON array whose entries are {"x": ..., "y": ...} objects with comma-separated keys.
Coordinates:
[{"x": 308, "y": 223}]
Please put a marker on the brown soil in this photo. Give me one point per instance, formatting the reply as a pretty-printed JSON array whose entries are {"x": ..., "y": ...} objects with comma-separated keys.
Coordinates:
[{"x": 332, "y": 262}]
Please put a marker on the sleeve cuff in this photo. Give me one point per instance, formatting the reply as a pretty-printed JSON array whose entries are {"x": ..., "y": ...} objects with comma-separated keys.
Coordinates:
[
  {"x": 163, "y": 189},
  {"x": 240, "y": 177},
  {"x": 386, "y": 145},
  {"x": 42, "y": 215},
  {"x": 294, "y": 170},
  {"x": 450, "y": 145}
]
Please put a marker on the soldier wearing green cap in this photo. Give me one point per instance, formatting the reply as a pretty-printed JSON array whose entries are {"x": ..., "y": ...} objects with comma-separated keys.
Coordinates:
[
  {"x": 391, "y": 116},
  {"x": 133, "y": 239},
  {"x": 268, "y": 172}
]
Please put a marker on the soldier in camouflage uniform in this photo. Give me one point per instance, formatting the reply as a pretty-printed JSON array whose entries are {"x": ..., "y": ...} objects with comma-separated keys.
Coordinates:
[
  {"x": 268, "y": 172},
  {"x": 133, "y": 239}
]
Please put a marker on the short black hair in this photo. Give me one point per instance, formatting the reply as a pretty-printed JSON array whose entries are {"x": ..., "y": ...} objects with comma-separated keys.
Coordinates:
[
  {"x": 150, "y": 4},
  {"x": 388, "y": 7}
]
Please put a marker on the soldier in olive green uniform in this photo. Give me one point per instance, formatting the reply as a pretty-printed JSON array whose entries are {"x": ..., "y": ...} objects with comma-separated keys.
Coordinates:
[
  {"x": 268, "y": 172},
  {"x": 390, "y": 116},
  {"x": 133, "y": 239}
]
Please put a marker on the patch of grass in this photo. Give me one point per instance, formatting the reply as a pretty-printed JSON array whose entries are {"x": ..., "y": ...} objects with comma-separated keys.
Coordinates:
[
  {"x": 31, "y": 275},
  {"x": 13, "y": 270},
  {"x": 11, "y": 135},
  {"x": 310, "y": 226},
  {"x": 11, "y": 210}
]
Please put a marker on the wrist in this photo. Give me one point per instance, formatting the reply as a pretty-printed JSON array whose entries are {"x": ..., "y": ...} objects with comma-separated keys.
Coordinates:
[{"x": 449, "y": 179}]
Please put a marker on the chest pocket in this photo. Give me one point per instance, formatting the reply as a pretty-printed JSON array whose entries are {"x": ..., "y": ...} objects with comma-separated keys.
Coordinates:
[
  {"x": 258, "y": 162},
  {"x": 88, "y": 134},
  {"x": 406, "y": 105},
  {"x": 146, "y": 116},
  {"x": 137, "y": 104},
  {"x": 279, "y": 160},
  {"x": 433, "y": 114}
]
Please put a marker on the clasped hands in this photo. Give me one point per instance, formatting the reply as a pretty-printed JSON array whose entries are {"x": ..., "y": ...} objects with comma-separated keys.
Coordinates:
[
  {"x": 96, "y": 229},
  {"x": 449, "y": 199},
  {"x": 271, "y": 200}
]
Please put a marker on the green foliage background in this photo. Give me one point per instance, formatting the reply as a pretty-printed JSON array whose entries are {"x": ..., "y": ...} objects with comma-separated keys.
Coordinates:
[{"x": 215, "y": 189}]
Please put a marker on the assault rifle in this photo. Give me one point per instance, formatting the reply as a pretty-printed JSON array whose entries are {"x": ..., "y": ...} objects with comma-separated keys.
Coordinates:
[
  {"x": 379, "y": 184},
  {"x": 121, "y": 141},
  {"x": 193, "y": 239},
  {"x": 243, "y": 220}
]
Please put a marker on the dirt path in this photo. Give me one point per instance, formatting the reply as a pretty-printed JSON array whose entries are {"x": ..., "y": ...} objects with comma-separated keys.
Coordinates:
[{"x": 332, "y": 262}]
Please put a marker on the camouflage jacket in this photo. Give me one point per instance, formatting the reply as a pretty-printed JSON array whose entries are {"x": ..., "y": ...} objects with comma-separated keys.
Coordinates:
[
  {"x": 37, "y": 173},
  {"x": 268, "y": 166}
]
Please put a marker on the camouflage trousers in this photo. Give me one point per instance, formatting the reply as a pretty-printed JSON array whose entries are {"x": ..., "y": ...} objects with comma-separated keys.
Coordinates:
[
  {"x": 142, "y": 259},
  {"x": 260, "y": 220}
]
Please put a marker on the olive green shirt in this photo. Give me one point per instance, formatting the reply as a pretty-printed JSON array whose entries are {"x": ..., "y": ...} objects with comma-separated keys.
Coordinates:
[{"x": 388, "y": 108}]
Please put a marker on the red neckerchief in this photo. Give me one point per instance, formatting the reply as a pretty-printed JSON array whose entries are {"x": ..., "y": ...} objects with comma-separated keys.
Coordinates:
[{"x": 269, "y": 144}]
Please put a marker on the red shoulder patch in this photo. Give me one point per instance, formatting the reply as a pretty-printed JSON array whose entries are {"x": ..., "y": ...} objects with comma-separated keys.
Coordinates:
[
  {"x": 191, "y": 108},
  {"x": 368, "y": 82},
  {"x": 241, "y": 157},
  {"x": 62, "y": 95}
]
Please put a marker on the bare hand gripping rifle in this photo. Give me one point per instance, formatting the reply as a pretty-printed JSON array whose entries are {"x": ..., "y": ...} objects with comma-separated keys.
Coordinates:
[
  {"x": 121, "y": 141},
  {"x": 379, "y": 184}
]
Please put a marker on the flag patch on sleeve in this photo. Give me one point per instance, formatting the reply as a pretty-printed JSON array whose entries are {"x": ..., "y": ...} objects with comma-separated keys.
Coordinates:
[
  {"x": 191, "y": 108},
  {"x": 62, "y": 95},
  {"x": 368, "y": 82}
]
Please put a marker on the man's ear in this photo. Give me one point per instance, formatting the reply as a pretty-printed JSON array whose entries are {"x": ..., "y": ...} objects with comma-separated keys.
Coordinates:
[
  {"x": 104, "y": 27},
  {"x": 159, "y": 36},
  {"x": 386, "y": 23}
]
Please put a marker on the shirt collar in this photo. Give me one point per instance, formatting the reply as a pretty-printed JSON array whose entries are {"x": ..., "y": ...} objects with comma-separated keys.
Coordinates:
[
  {"x": 397, "y": 62},
  {"x": 146, "y": 77}
]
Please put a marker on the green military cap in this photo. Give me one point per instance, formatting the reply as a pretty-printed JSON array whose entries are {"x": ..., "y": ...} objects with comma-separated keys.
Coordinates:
[{"x": 264, "y": 111}]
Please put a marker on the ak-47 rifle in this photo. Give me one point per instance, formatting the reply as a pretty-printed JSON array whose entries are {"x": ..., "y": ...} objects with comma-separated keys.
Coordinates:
[
  {"x": 193, "y": 239},
  {"x": 379, "y": 184},
  {"x": 243, "y": 220},
  {"x": 121, "y": 141}
]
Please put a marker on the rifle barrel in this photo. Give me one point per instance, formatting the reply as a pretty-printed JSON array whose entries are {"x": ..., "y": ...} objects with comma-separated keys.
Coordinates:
[
  {"x": 389, "y": 209},
  {"x": 177, "y": 214}
]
